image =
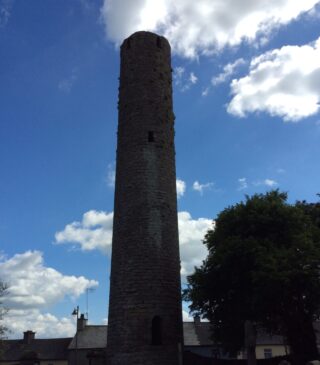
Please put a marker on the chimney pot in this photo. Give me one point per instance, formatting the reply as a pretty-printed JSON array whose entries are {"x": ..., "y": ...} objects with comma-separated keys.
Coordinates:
[
  {"x": 28, "y": 337},
  {"x": 197, "y": 319},
  {"x": 81, "y": 323}
]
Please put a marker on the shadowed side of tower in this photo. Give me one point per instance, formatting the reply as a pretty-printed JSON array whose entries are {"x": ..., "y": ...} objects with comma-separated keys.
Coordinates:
[{"x": 145, "y": 324}]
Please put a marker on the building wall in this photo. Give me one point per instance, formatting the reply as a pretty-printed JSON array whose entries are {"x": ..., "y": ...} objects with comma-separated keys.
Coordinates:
[
  {"x": 208, "y": 351},
  {"x": 85, "y": 357},
  {"x": 78, "y": 357},
  {"x": 145, "y": 269},
  {"x": 277, "y": 350}
]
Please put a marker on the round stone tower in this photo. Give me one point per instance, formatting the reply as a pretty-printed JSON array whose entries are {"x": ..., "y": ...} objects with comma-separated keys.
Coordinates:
[{"x": 145, "y": 321}]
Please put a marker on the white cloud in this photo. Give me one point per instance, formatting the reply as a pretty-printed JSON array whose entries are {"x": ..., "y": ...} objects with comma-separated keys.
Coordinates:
[
  {"x": 193, "y": 78},
  {"x": 178, "y": 73},
  {"x": 111, "y": 176},
  {"x": 228, "y": 71},
  {"x": 201, "y": 187},
  {"x": 45, "y": 325},
  {"x": 202, "y": 26},
  {"x": 93, "y": 233},
  {"x": 183, "y": 81},
  {"x": 66, "y": 84},
  {"x": 191, "y": 234},
  {"x": 189, "y": 82},
  {"x": 283, "y": 82},
  {"x": 33, "y": 285},
  {"x": 243, "y": 184},
  {"x": 33, "y": 288},
  {"x": 269, "y": 182},
  {"x": 266, "y": 182},
  {"x": 186, "y": 317},
  {"x": 205, "y": 92},
  {"x": 5, "y": 12},
  {"x": 181, "y": 188}
]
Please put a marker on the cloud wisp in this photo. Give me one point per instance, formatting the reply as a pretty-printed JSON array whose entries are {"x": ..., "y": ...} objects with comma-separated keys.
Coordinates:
[
  {"x": 111, "y": 176},
  {"x": 5, "y": 12},
  {"x": 65, "y": 85},
  {"x": 244, "y": 184},
  {"x": 181, "y": 188},
  {"x": 204, "y": 26},
  {"x": 228, "y": 70},
  {"x": 266, "y": 182},
  {"x": 183, "y": 80},
  {"x": 202, "y": 187}
]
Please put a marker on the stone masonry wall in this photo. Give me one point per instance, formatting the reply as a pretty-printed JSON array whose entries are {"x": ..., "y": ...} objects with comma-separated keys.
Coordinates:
[{"x": 145, "y": 271}]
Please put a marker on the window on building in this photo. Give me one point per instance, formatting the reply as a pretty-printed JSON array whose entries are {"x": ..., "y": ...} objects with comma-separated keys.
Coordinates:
[
  {"x": 267, "y": 353},
  {"x": 156, "y": 331}
]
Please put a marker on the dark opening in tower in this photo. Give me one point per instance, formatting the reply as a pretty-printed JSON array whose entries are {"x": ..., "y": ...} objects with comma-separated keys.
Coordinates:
[
  {"x": 150, "y": 136},
  {"x": 156, "y": 331}
]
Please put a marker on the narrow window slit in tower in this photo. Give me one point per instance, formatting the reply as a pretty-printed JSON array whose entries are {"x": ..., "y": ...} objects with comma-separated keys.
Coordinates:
[
  {"x": 128, "y": 44},
  {"x": 150, "y": 136},
  {"x": 156, "y": 331}
]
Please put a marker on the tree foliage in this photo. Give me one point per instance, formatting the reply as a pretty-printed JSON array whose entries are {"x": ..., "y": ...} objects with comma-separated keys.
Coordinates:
[{"x": 262, "y": 266}]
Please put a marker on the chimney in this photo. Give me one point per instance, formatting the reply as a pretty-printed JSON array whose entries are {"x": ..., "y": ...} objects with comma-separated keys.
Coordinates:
[
  {"x": 196, "y": 319},
  {"x": 81, "y": 323},
  {"x": 28, "y": 337}
]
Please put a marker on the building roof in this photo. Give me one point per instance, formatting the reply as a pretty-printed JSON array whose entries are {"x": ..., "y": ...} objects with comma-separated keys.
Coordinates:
[
  {"x": 95, "y": 337},
  {"x": 264, "y": 338},
  {"x": 199, "y": 334},
  {"x": 195, "y": 334},
  {"x": 91, "y": 337},
  {"x": 44, "y": 349}
]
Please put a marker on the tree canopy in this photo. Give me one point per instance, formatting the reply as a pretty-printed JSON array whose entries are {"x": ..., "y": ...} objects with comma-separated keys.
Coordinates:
[{"x": 262, "y": 266}]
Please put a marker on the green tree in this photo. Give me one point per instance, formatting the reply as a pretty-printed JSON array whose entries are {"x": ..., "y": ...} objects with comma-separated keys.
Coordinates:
[{"x": 263, "y": 267}]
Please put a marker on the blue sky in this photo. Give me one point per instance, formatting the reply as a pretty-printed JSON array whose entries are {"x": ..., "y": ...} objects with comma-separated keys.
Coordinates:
[{"x": 246, "y": 98}]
